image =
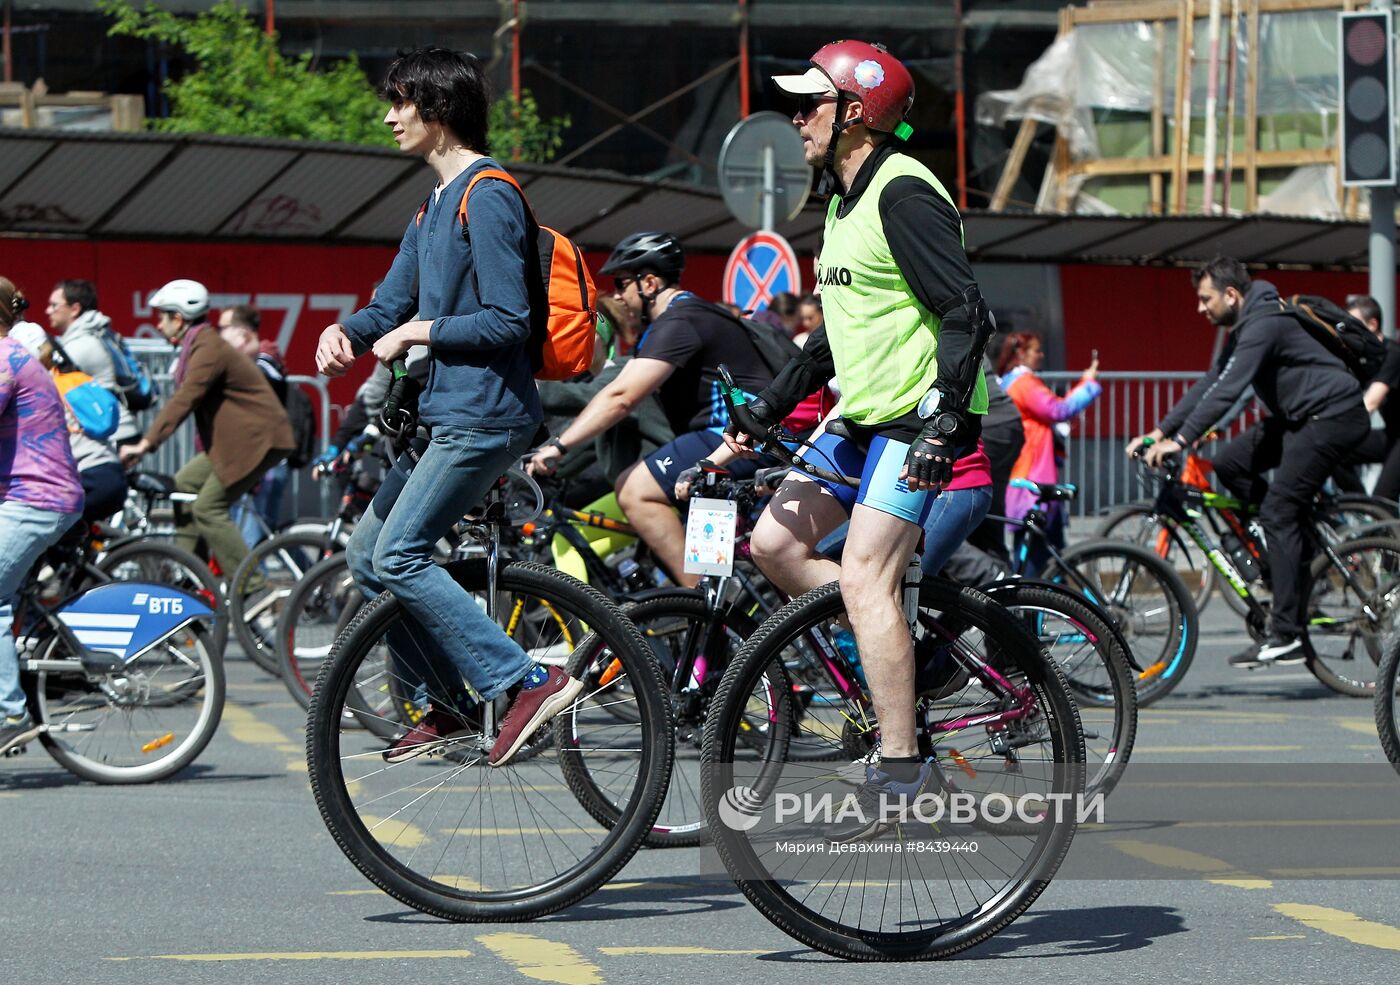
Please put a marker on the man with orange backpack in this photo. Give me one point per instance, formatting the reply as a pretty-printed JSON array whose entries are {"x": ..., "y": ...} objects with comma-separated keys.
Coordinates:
[{"x": 472, "y": 295}]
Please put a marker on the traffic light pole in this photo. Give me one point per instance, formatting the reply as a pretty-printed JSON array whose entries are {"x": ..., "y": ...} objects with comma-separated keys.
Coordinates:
[{"x": 1382, "y": 239}]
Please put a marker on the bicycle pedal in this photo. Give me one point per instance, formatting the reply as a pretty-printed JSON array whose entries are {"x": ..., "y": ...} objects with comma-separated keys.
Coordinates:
[{"x": 18, "y": 749}]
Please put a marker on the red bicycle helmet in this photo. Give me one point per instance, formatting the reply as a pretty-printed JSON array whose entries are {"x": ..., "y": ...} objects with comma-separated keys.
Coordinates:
[{"x": 862, "y": 71}]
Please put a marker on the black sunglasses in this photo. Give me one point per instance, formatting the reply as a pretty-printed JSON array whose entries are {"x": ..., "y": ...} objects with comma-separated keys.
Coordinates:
[{"x": 807, "y": 103}]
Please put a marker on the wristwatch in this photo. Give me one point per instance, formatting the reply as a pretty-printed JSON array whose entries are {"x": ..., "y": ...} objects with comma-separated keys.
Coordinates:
[
  {"x": 554, "y": 440},
  {"x": 946, "y": 424}
]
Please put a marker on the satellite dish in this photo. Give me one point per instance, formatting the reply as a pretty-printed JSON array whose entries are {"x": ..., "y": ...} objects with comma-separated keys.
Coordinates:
[{"x": 762, "y": 172}]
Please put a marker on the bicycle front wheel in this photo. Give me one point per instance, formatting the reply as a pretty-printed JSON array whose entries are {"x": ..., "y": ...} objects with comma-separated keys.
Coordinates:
[
  {"x": 1143, "y": 526},
  {"x": 310, "y": 619},
  {"x": 1148, "y": 604},
  {"x": 1352, "y": 610},
  {"x": 448, "y": 834},
  {"x": 1388, "y": 702},
  {"x": 261, "y": 587},
  {"x": 141, "y": 723},
  {"x": 969, "y": 880}
]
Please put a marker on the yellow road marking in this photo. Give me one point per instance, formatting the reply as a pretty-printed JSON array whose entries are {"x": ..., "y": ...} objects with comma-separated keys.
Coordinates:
[
  {"x": 1170, "y": 857},
  {"x": 303, "y": 956},
  {"x": 543, "y": 960},
  {"x": 625, "y": 951},
  {"x": 392, "y": 831},
  {"x": 1161, "y": 750},
  {"x": 244, "y": 726},
  {"x": 1340, "y": 923},
  {"x": 644, "y": 885},
  {"x": 1276, "y": 716},
  {"x": 1366, "y": 726}
]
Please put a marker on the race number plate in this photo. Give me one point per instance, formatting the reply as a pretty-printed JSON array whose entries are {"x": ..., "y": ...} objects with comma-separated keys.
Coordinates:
[{"x": 709, "y": 537}]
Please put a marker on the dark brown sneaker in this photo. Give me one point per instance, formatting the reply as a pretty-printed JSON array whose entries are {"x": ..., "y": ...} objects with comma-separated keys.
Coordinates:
[
  {"x": 434, "y": 732},
  {"x": 531, "y": 708}
]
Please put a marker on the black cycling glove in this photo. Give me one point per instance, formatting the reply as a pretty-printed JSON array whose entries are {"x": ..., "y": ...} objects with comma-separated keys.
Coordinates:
[
  {"x": 931, "y": 455},
  {"x": 763, "y": 414}
]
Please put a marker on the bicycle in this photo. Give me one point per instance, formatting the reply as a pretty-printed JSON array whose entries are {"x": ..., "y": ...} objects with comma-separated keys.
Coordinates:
[
  {"x": 1142, "y": 596},
  {"x": 1012, "y": 726},
  {"x": 124, "y": 680},
  {"x": 1350, "y": 590},
  {"x": 449, "y": 835}
]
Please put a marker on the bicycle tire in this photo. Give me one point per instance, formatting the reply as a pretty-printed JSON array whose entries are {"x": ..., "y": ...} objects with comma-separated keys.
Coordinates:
[
  {"x": 309, "y": 622},
  {"x": 1094, "y": 660},
  {"x": 1343, "y": 646},
  {"x": 161, "y": 563},
  {"x": 89, "y": 708},
  {"x": 776, "y": 896},
  {"x": 282, "y": 560},
  {"x": 664, "y": 621},
  {"x": 1143, "y": 526},
  {"x": 1163, "y": 638},
  {"x": 1388, "y": 703},
  {"x": 439, "y": 887}
]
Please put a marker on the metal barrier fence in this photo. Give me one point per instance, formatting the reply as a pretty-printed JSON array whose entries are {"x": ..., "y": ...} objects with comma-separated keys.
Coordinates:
[
  {"x": 1131, "y": 404},
  {"x": 304, "y": 496}
]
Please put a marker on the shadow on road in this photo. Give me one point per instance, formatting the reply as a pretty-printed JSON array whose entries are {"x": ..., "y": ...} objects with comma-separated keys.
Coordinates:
[{"x": 46, "y": 779}]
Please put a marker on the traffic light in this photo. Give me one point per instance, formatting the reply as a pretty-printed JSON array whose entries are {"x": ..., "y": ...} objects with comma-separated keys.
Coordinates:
[{"x": 1368, "y": 98}]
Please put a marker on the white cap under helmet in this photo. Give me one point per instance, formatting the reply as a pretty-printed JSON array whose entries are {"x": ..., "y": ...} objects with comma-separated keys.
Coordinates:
[{"x": 187, "y": 297}]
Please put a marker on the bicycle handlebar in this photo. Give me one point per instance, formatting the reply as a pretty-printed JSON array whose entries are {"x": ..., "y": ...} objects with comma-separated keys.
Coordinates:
[
  {"x": 396, "y": 418},
  {"x": 773, "y": 438}
]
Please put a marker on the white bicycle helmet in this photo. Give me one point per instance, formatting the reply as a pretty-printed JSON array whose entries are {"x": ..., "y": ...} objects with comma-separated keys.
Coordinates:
[{"x": 186, "y": 297}]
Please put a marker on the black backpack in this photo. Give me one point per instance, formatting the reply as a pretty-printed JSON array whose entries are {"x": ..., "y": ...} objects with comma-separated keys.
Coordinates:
[
  {"x": 303, "y": 418},
  {"x": 775, "y": 350},
  {"x": 1340, "y": 332}
]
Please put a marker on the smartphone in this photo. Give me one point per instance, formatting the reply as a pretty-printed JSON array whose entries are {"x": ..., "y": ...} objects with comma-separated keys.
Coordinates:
[{"x": 1093, "y": 355}]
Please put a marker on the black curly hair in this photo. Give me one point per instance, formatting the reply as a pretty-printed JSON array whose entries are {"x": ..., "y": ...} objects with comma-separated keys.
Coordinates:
[{"x": 446, "y": 87}]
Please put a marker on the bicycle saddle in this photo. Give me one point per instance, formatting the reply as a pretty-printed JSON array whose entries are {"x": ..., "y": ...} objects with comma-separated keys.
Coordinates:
[
  {"x": 1047, "y": 492},
  {"x": 151, "y": 483}
]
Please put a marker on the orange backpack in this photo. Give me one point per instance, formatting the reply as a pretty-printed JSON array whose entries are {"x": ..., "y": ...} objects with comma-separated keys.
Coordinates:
[{"x": 562, "y": 296}]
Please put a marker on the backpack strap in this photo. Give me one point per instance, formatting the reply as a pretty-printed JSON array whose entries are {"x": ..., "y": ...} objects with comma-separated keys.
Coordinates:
[{"x": 499, "y": 175}]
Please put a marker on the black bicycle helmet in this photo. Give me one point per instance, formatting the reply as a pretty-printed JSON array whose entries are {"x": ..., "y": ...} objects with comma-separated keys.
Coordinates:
[{"x": 659, "y": 253}]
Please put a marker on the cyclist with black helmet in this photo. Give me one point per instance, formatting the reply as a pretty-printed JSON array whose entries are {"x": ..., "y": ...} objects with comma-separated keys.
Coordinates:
[
  {"x": 683, "y": 343},
  {"x": 905, "y": 329}
]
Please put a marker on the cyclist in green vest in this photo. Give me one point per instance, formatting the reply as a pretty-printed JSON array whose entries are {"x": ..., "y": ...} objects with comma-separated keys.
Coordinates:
[{"x": 905, "y": 328}]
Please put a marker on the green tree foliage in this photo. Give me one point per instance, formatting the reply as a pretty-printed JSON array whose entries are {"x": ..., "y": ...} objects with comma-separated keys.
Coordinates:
[{"x": 244, "y": 86}]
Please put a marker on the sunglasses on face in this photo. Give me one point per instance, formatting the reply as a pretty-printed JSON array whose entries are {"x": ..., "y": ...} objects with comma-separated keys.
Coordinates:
[
  {"x": 807, "y": 104},
  {"x": 620, "y": 283}
]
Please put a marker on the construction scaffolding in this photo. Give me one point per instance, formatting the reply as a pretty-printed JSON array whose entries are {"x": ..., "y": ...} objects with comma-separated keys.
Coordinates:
[{"x": 1169, "y": 106}]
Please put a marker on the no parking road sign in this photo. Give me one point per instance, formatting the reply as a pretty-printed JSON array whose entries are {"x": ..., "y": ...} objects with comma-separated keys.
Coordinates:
[{"x": 761, "y": 266}]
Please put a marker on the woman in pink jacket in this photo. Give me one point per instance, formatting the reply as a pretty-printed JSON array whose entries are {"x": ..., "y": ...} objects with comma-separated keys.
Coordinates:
[{"x": 1021, "y": 358}]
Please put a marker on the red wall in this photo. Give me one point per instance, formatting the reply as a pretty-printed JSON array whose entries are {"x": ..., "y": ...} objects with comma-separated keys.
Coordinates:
[{"x": 1144, "y": 318}]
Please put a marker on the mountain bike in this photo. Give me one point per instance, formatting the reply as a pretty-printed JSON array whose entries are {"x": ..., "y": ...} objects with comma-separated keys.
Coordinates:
[
  {"x": 1351, "y": 590},
  {"x": 448, "y": 834},
  {"x": 1010, "y": 730}
]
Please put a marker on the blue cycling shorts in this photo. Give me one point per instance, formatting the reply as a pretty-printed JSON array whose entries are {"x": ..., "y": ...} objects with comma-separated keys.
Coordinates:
[{"x": 881, "y": 488}]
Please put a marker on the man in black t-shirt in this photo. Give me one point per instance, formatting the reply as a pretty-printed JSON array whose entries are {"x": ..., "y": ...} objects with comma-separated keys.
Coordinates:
[
  {"x": 678, "y": 357},
  {"x": 1383, "y": 394}
]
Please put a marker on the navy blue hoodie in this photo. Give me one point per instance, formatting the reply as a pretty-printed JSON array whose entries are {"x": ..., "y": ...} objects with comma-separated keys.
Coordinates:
[{"x": 473, "y": 290}]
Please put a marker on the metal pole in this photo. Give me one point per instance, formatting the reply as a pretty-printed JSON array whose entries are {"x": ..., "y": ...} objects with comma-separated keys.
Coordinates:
[
  {"x": 1382, "y": 239},
  {"x": 744, "y": 59},
  {"x": 8, "y": 50},
  {"x": 1212, "y": 102},
  {"x": 770, "y": 186},
  {"x": 271, "y": 25},
  {"x": 515, "y": 56},
  {"x": 960, "y": 101}
]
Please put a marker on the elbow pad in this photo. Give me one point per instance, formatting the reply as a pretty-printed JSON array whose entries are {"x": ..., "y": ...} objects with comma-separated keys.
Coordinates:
[
  {"x": 965, "y": 328},
  {"x": 801, "y": 377}
]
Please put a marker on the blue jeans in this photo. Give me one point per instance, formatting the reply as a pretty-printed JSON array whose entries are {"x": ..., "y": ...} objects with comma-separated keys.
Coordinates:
[
  {"x": 25, "y": 533},
  {"x": 449, "y": 637},
  {"x": 953, "y": 518},
  {"x": 267, "y": 503}
]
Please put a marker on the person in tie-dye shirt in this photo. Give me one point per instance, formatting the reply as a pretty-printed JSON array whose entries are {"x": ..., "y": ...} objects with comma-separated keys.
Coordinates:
[
  {"x": 40, "y": 495},
  {"x": 1022, "y": 355}
]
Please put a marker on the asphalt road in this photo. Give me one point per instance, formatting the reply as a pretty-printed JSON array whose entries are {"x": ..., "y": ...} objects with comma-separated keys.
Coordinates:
[{"x": 226, "y": 874}]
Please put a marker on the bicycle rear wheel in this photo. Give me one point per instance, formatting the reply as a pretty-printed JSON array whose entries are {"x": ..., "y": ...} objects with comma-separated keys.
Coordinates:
[
  {"x": 448, "y": 834},
  {"x": 893, "y": 905},
  {"x": 1143, "y": 526},
  {"x": 1146, "y": 601},
  {"x": 141, "y": 723},
  {"x": 1352, "y": 611}
]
